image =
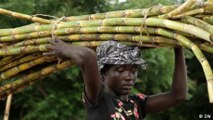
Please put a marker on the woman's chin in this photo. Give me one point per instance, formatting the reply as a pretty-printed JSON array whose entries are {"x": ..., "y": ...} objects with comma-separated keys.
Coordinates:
[{"x": 126, "y": 92}]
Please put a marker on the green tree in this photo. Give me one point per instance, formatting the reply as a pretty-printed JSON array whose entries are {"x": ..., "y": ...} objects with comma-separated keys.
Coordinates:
[{"x": 136, "y": 4}]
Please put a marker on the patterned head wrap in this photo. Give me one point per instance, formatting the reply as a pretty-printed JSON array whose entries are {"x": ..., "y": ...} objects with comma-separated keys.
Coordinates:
[{"x": 112, "y": 52}]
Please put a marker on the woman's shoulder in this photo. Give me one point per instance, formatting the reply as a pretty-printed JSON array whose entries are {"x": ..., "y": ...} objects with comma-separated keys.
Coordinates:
[{"x": 138, "y": 97}]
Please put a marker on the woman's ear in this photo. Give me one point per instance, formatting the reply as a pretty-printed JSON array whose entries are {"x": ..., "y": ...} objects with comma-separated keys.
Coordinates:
[
  {"x": 103, "y": 72},
  {"x": 103, "y": 75},
  {"x": 102, "y": 78}
]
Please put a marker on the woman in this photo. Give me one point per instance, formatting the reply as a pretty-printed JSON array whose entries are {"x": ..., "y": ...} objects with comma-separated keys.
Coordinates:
[{"x": 109, "y": 76}]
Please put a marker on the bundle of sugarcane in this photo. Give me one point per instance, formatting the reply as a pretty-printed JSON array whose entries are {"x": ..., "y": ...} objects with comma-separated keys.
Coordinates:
[{"x": 22, "y": 63}]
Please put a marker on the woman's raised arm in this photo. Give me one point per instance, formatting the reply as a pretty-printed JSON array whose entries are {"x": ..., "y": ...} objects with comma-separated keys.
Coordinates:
[
  {"x": 85, "y": 58},
  {"x": 160, "y": 102}
]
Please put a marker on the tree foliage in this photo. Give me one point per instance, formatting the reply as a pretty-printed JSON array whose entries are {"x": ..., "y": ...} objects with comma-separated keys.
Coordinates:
[{"x": 59, "y": 96}]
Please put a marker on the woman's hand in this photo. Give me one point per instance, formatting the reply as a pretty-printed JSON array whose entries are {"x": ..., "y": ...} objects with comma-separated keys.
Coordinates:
[{"x": 58, "y": 47}]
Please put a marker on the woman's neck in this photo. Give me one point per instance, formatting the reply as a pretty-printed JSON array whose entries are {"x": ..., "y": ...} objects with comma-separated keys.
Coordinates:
[{"x": 111, "y": 92}]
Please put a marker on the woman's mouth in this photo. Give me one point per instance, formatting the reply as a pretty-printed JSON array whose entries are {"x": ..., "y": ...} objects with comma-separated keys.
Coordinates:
[{"x": 127, "y": 87}]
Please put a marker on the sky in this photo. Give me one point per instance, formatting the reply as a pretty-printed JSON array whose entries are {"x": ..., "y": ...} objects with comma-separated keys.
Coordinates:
[{"x": 122, "y": 0}]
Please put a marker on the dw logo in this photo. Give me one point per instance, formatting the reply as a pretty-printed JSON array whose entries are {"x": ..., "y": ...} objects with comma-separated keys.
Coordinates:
[{"x": 205, "y": 116}]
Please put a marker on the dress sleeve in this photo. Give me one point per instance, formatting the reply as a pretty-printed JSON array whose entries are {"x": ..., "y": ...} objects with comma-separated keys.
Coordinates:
[{"x": 141, "y": 100}]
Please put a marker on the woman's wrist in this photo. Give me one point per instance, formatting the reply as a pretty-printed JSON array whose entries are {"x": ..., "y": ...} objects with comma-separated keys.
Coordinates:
[{"x": 178, "y": 49}]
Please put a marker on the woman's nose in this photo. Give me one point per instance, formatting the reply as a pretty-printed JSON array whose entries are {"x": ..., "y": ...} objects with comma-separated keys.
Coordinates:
[{"x": 130, "y": 75}]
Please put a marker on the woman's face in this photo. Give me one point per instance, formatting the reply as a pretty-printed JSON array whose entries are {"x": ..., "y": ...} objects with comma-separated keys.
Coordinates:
[{"x": 121, "y": 78}]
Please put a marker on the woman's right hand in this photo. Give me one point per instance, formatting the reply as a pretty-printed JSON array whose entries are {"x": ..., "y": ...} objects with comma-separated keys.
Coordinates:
[{"x": 58, "y": 47}]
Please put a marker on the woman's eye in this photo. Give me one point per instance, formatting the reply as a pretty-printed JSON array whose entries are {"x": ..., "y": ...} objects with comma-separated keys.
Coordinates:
[
  {"x": 134, "y": 70},
  {"x": 120, "y": 71}
]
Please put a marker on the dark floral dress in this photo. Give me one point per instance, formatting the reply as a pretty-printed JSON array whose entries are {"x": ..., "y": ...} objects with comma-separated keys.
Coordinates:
[{"x": 109, "y": 107}]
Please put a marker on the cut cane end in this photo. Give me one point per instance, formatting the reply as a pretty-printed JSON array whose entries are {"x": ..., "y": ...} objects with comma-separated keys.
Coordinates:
[
  {"x": 210, "y": 89},
  {"x": 210, "y": 99},
  {"x": 211, "y": 38}
]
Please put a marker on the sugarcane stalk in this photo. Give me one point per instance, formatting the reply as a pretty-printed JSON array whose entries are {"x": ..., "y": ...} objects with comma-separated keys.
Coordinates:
[
  {"x": 58, "y": 32},
  {"x": 207, "y": 71},
  {"x": 138, "y": 22},
  {"x": 37, "y": 28},
  {"x": 101, "y": 37},
  {"x": 85, "y": 30},
  {"x": 130, "y": 22},
  {"x": 153, "y": 11},
  {"x": 118, "y": 29},
  {"x": 76, "y": 37},
  {"x": 19, "y": 37},
  {"x": 203, "y": 61},
  {"x": 7, "y": 108},
  {"x": 189, "y": 13},
  {"x": 208, "y": 19},
  {"x": 23, "y": 50},
  {"x": 199, "y": 23},
  {"x": 119, "y": 37},
  {"x": 198, "y": 53},
  {"x": 24, "y": 16},
  {"x": 37, "y": 41},
  {"x": 30, "y": 78},
  {"x": 2, "y": 45},
  {"x": 206, "y": 47},
  {"x": 200, "y": 16},
  {"x": 20, "y": 61},
  {"x": 159, "y": 40},
  {"x": 22, "y": 67},
  {"x": 184, "y": 7},
  {"x": 191, "y": 29},
  {"x": 76, "y": 24},
  {"x": 94, "y": 44},
  {"x": 172, "y": 36},
  {"x": 186, "y": 34},
  {"x": 3, "y": 60},
  {"x": 208, "y": 6},
  {"x": 8, "y": 59},
  {"x": 29, "y": 25},
  {"x": 156, "y": 10}
]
